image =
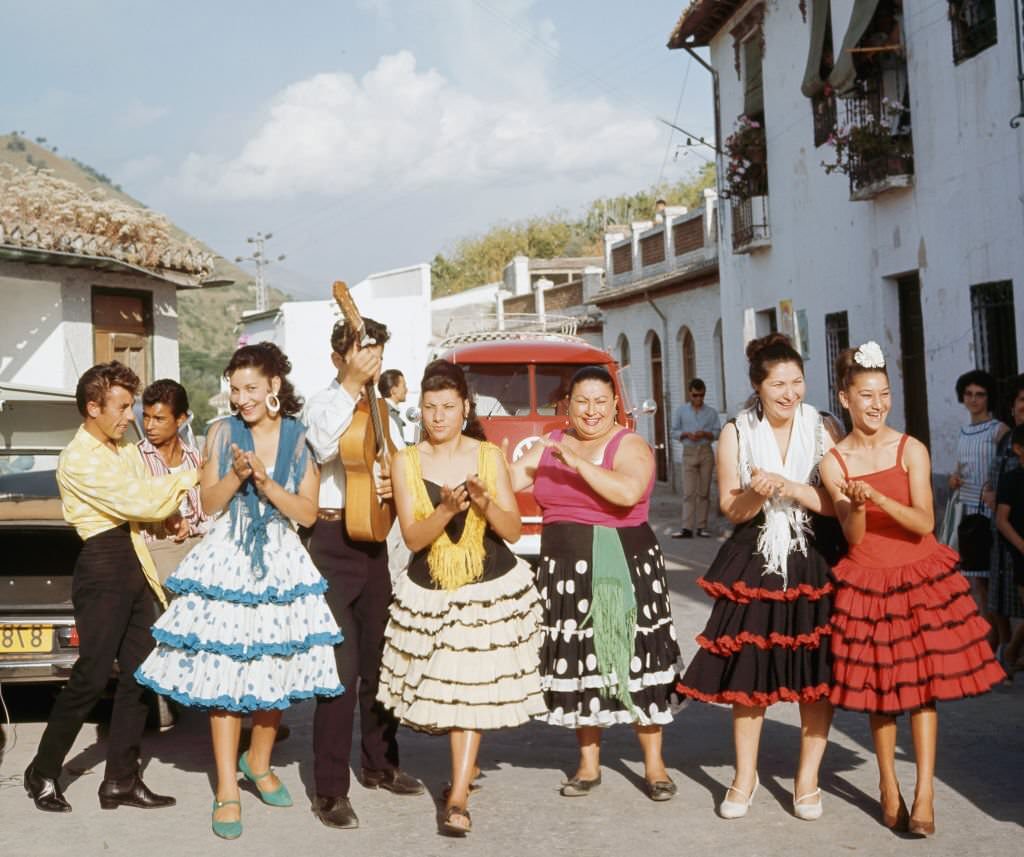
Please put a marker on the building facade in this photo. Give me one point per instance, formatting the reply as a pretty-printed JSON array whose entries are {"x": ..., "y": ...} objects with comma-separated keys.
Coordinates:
[
  {"x": 875, "y": 190},
  {"x": 662, "y": 319}
]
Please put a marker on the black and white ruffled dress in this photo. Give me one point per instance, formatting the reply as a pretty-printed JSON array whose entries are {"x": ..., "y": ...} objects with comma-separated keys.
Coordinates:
[{"x": 464, "y": 658}]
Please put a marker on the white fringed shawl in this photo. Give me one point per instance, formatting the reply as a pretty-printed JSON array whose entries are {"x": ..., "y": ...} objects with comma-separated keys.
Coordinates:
[{"x": 786, "y": 524}]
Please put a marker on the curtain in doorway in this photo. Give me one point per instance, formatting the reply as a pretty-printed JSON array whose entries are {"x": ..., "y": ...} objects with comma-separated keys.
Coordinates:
[
  {"x": 844, "y": 74},
  {"x": 813, "y": 83}
]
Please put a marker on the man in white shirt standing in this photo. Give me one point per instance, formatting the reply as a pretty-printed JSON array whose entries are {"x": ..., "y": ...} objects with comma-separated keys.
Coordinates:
[
  {"x": 359, "y": 592},
  {"x": 393, "y": 388},
  {"x": 697, "y": 426}
]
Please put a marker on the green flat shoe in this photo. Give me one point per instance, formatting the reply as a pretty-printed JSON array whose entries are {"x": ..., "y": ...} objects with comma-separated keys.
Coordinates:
[
  {"x": 278, "y": 797},
  {"x": 226, "y": 829}
]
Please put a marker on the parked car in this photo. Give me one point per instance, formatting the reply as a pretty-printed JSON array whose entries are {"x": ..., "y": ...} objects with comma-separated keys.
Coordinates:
[
  {"x": 520, "y": 381},
  {"x": 38, "y": 639}
]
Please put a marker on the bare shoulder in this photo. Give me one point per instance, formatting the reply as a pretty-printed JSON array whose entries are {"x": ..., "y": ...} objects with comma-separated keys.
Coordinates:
[{"x": 916, "y": 453}]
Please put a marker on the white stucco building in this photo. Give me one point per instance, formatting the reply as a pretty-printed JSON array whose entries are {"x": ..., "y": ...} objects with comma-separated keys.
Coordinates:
[
  {"x": 662, "y": 318},
  {"x": 917, "y": 240},
  {"x": 399, "y": 299}
]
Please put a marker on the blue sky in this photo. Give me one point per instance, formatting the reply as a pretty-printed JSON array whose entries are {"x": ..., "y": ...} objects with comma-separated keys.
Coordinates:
[{"x": 367, "y": 134}]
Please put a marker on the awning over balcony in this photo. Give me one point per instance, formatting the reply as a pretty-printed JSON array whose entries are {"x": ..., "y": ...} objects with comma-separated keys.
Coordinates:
[
  {"x": 844, "y": 73},
  {"x": 813, "y": 83}
]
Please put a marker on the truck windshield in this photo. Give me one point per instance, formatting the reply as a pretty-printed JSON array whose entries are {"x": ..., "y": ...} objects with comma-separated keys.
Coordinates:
[
  {"x": 552, "y": 383},
  {"x": 500, "y": 389}
]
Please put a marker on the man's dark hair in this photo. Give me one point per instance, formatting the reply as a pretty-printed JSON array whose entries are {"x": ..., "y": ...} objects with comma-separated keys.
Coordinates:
[
  {"x": 344, "y": 335},
  {"x": 389, "y": 379},
  {"x": 96, "y": 382},
  {"x": 696, "y": 384},
  {"x": 166, "y": 392},
  {"x": 1017, "y": 435}
]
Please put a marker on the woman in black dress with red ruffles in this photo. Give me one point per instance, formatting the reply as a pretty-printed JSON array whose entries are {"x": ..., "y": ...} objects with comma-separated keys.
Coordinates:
[{"x": 767, "y": 638}]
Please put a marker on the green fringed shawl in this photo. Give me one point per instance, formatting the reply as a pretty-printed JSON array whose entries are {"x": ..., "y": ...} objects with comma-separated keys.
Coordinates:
[{"x": 613, "y": 612}]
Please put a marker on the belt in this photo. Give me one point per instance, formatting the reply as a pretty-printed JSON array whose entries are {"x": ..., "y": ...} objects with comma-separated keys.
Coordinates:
[{"x": 330, "y": 514}]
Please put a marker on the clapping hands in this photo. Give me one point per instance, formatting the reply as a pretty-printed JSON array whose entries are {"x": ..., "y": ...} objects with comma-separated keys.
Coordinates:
[
  {"x": 454, "y": 500},
  {"x": 766, "y": 484}
]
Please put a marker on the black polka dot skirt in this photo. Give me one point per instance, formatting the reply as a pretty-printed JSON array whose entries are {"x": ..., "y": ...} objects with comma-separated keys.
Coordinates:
[{"x": 570, "y": 678}]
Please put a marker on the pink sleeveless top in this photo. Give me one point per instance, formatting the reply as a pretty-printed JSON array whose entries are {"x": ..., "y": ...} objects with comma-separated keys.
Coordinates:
[{"x": 564, "y": 496}]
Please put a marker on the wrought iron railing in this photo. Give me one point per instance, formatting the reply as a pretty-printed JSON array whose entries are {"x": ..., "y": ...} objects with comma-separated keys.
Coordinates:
[{"x": 878, "y": 120}]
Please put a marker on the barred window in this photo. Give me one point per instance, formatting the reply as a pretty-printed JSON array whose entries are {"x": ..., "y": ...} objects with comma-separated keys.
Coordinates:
[
  {"x": 837, "y": 338},
  {"x": 974, "y": 27},
  {"x": 995, "y": 334}
]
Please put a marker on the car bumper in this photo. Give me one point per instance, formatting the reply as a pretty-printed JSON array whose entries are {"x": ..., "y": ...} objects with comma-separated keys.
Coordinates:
[{"x": 38, "y": 667}]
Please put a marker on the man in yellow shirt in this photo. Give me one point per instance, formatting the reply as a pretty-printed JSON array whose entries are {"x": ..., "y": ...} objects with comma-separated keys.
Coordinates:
[{"x": 106, "y": 492}]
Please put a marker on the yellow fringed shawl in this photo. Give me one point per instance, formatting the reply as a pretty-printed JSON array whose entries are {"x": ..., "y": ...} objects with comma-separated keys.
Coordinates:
[{"x": 454, "y": 564}]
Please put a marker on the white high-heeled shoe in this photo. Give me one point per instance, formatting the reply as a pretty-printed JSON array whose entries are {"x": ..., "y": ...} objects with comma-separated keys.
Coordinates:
[
  {"x": 737, "y": 809},
  {"x": 808, "y": 811}
]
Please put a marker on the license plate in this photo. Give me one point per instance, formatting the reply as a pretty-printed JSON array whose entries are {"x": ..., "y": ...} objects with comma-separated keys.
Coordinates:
[{"x": 19, "y": 639}]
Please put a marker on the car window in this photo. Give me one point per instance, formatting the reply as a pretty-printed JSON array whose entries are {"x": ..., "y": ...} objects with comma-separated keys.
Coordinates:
[
  {"x": 500, "y": 389},
  {"x": 552, "y": 383}
]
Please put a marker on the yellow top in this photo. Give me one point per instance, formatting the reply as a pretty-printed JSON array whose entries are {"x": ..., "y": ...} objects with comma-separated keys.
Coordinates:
[
  {"x": 454, "y": 564},
  {"x": 102, "y": 489}
]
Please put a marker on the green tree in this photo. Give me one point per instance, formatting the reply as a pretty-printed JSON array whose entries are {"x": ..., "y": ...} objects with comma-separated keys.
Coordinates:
[{"x": 474, "y": 261}]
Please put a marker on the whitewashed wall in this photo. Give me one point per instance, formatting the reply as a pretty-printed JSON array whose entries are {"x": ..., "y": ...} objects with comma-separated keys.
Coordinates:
[
  {"x": 961, "y": 224},
  {"x": 46, "y": 336}
]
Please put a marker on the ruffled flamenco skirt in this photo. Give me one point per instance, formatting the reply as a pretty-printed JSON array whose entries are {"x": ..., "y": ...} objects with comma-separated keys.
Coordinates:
[
  {"x": 766, "y": 640},
  {"x": 907, "y": 636},
  {"x": 233, "y": 642},
  {"x": 575, "y": 693},
  {"x": 463, "y": 658}
]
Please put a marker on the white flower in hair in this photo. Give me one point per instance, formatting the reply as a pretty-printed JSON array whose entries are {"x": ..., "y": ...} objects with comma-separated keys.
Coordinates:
[{"x": 870, "y": 356}]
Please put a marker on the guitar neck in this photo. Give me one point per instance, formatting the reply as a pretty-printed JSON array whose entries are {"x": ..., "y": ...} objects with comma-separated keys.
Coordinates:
[{"x": 370, "y": 391}]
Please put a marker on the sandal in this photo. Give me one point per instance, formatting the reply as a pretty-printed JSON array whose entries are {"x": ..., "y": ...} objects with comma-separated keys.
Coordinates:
[
  {"x": 449, "y": 827},
  {"x": 446, "y": 790}
]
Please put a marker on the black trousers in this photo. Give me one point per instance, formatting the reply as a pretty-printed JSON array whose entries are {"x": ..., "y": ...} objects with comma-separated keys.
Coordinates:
[
  {"x": 359, "y": 592},
  {"x": 114, "y": 612}
]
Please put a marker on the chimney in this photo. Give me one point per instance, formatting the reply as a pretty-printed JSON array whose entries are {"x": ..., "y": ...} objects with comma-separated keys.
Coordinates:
[
  {"x": 517, "y": 275},
  {"x": 593, "y": 282},
  {"x": 539, "y": 287}
]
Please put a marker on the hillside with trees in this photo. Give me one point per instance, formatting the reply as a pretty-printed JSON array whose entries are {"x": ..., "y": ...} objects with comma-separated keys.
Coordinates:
[{"x": 477, "y": 260}]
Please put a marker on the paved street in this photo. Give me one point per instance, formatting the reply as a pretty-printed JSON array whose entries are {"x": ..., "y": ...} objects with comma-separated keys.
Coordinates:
[{"x": 978, "y": 808}]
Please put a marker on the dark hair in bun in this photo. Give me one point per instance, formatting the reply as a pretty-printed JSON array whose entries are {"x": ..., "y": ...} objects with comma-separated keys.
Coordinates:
[
  {"x": 847, "y": 368},
  {"x": 445, "y": 375},
  {"x": 764, "y": 353},
  {"x": 592, "y": 373}
]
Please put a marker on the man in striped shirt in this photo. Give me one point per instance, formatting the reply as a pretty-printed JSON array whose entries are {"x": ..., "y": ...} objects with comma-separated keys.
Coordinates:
[{"x": 164, "y": 415}]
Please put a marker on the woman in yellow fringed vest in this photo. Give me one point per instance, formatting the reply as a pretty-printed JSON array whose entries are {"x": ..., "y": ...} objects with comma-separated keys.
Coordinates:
[{"x": 461, "y": 648}]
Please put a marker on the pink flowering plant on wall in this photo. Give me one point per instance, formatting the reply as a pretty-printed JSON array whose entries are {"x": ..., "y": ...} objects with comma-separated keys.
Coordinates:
[
  {"x": 745, "y": 153},
  {"x": 870, "y": 139}
]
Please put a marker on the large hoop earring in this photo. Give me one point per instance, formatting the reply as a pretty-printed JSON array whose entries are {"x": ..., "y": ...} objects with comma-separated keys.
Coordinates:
[{"x": 273, "y": 404}]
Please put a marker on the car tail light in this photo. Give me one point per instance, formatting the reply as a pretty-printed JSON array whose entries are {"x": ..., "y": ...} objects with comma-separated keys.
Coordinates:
[{"x": 68, "y": 637}]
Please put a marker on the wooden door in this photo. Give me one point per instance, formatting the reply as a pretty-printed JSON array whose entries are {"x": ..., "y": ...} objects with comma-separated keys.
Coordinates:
[{"x": 122, "y": 330}]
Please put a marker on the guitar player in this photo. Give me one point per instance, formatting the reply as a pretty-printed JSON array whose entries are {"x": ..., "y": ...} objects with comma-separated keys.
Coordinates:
[{"x": 359, "y": 592}]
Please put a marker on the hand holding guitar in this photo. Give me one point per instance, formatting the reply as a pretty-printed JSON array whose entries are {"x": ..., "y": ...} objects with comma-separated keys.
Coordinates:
[{"x": 359, "y": 369}]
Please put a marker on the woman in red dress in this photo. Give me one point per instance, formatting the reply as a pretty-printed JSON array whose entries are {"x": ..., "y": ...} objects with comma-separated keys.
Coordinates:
[{"x": 906, "y": 631}]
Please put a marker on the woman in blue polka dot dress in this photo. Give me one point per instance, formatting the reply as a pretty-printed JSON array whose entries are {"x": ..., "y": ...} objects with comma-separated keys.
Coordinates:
[{"x": 249, "y": 630}]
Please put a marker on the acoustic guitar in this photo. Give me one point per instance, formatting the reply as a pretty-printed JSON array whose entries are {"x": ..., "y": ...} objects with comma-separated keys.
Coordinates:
[{"x": 365, "y": 444}]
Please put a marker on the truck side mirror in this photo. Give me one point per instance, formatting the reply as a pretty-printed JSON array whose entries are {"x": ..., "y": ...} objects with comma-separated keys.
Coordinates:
[
  {"x": 647, "y": 406},
  {"x": 412, "y": 414}
]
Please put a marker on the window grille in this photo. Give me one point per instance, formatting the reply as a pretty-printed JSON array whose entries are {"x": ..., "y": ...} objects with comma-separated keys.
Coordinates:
[
  {"x": 974, "y": 27},
  {"x": 837, "y": 338},
  {"x": 995, "y": 335}
]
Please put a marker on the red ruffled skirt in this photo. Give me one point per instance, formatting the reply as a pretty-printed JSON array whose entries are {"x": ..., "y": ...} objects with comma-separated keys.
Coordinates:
[{"x": 906, "y": 636}]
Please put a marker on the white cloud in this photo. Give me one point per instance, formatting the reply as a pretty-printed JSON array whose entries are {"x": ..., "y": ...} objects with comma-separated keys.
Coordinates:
[{"x": 400, "y": 128}]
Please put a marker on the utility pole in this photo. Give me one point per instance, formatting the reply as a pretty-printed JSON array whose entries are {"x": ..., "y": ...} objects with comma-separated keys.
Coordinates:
[{"x": 259, "y": 258}]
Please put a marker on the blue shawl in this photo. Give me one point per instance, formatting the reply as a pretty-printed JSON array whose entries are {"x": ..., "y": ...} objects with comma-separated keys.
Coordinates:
[{"x": 289, "y": 468}]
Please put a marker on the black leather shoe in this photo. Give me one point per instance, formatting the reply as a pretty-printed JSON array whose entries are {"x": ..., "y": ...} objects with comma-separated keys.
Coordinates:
[
  {"x": 131, "y": 791},
  {"x": 335, "y": 812},
  {"x": 660, "y": 790},
  {"x": 395, "y": 780},
  {"x": 45, "y": 792}
]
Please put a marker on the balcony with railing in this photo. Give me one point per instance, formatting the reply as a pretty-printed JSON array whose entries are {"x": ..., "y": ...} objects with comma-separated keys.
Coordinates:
[
  {"x": 683, "y": 241},
  {"x": 746, "y": 184},
  {"x": 878, "y": 142}
]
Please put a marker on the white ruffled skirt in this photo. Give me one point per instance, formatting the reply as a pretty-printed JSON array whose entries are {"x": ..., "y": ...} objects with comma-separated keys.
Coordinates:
[
  {"x": 234, "y": 642},
  {"x": 464, "y": 659}
]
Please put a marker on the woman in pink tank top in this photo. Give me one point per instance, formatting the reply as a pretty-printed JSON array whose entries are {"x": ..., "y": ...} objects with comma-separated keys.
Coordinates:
[
  {"x": 905, "y": 631},
  {"x": 609, "y": 653}
]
